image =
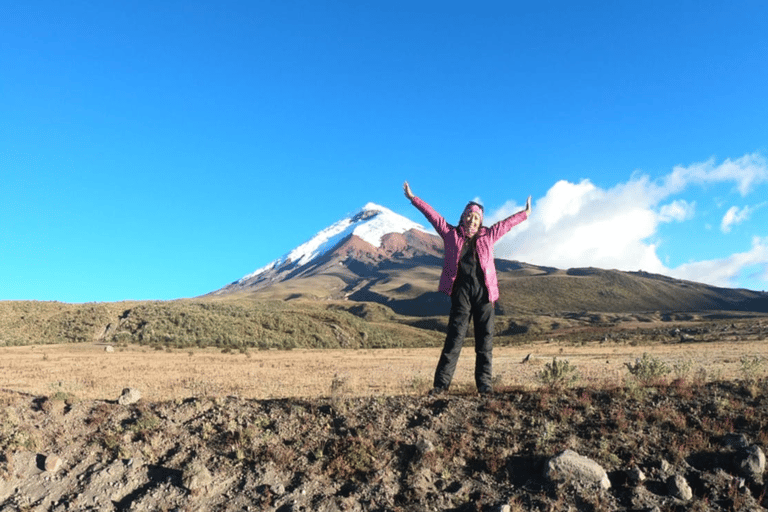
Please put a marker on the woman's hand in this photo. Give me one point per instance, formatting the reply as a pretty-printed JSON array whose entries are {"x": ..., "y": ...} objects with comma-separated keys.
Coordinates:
[{"x": 407, "y": 190}]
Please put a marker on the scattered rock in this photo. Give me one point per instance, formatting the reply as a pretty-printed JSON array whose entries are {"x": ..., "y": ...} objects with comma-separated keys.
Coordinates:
[
  {"x": 678, "y": 487},
  {"x": 53, "y": 463},
  {"x": 129, "y": 396},
  {"x": 52, "y": 406},
  {"x": 109, "y": 348},
  {"x": 666, "y": 468},
  {"x": 636, "y": 475},
  {"x": 196, "y": 477},
  {"x": 573, "y": 466},
  {"x": 421, "y": 483},
  {"x": 424, "y": 446},
  {"x": 735, "y": 441},
  {"x": 752, "y": 464}
]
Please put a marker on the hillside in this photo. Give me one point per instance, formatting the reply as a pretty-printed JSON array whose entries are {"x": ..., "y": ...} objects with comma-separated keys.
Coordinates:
[
  {"x": 230, "y": 323},
  {"x": 370, "y": 302}
]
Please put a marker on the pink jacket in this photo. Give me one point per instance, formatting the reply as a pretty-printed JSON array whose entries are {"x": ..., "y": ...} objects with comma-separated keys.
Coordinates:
[{"x": 453, "y": 240}]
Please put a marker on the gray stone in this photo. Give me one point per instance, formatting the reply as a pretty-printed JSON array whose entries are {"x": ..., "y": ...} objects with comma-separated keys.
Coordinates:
[
  {"x": 109, "y": 348},
  {"x": 636, "y": 475},
  {"x": 424, "y": 446},
  {"x": 196, "y": 477},
  {"x": 678, "y": 487},
  {"x": 129, "y": 396},
  {"x": 752, "y": 465},
  {"x": 573, "y": 466},
  {"x": 735, "y": 441}
]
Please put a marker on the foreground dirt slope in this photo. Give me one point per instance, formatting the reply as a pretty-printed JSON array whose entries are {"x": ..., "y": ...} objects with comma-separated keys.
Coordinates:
[{"x": 453, "y": 452}]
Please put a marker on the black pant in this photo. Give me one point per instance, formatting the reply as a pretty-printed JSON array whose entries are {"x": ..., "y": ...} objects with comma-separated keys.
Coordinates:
[{"x": 468, "y": 301}]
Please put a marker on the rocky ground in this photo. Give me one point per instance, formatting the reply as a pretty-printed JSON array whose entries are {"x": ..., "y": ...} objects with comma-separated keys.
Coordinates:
[{"x": 666, "y": 447}]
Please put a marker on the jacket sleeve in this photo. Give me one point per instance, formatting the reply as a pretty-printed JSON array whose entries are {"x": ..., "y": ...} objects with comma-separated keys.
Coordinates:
[
  {"x": 502, "y": 227},
  {"x": 434, "y": 218}
]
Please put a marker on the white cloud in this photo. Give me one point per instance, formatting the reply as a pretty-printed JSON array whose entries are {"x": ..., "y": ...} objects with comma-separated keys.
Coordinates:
[
  {"x": 734, "y": 215},
  {"x": 746, "y": 172},
  {"x": 678, "y": 210},
  {"x": 582, "y": 225},
  {"x": 726, "y": 271}
]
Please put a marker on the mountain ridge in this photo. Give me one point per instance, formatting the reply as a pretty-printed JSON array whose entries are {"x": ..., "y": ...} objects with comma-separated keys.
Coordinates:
[{"x": 379, "y": 256}]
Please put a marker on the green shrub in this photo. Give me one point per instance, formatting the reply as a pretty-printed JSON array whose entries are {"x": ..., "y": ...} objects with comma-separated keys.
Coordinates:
[
  {"x": 648, "y": 370},
  {"x": 558, "y": 374},
  {"x": 752, "y": 368}
]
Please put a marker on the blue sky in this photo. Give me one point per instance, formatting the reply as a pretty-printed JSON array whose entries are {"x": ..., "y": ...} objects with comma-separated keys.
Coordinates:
[{"x": 159, "y": 150}]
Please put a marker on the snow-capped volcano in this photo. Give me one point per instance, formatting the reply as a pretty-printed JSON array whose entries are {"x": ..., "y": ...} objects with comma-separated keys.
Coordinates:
[
  {"x": 373, "y": 225},
  {"x": 378, "y": 256}
]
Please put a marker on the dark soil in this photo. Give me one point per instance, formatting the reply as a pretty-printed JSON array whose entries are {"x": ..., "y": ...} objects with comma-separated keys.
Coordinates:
[{"x": 455, "y": 452}]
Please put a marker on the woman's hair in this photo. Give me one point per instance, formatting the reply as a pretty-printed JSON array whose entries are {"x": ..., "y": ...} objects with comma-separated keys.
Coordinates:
[{"x": 473, "y": 203}]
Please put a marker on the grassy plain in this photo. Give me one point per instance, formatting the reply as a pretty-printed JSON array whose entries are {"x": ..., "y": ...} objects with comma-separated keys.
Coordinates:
[{"x": 87, "y": 371}]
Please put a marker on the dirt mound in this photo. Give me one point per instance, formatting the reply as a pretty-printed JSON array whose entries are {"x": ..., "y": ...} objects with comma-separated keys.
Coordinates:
[{"x": 453, "y": 452}]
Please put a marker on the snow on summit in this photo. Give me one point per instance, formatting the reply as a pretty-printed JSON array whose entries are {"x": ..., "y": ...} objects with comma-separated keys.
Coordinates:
[
  {"x": 370, "y": 224},
  {"x": 380, "y": 221}
]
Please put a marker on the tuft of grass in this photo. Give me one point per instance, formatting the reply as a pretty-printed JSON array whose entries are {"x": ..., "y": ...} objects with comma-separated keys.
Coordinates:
[
  {"x": 63, "y": 392},
  {"x": 682, "y": 369},
  {"x": 418, "y": 384},
  {"x": 339, "y": 384},
  {"x": 648, "y": 370},
  {"x": 558, "y": 374},
  {"x": 15, "y": 434},
  {"x": 353, "y": 457},
  {"x": 752, "y": 368}
]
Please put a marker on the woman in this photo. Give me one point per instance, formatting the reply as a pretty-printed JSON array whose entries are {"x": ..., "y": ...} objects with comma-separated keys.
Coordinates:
[{"x": 469, "y": 278}]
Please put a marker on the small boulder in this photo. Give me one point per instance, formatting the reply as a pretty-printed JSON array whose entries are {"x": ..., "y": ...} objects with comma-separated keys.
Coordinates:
[
  {"x": 666, "y": 468},
  {"x": 424, "y": 446},
  {"x": 53, "y": 463},
  {"x": 129, "y": 396},
  {"x": 636, "y": 475},
  {"x": 196, "y": 477},
  {"x": 735, "y": 441},
  {"x": 752, "y": 464},
  {"x": 109, "y": 348},
  {"x": 573, "y": 466},
  {"x": 678, "y": 487}
]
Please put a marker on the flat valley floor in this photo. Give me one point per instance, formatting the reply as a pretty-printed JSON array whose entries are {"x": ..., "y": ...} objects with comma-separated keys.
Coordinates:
[{"x": 89, "y": 372}]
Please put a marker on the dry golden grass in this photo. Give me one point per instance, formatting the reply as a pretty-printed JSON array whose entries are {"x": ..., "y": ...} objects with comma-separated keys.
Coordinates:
[{"x": 86, "y": 371}]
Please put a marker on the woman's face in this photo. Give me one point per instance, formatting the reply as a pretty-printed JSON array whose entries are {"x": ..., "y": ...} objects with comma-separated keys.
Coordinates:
[{"x": 472, "y": 221}]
